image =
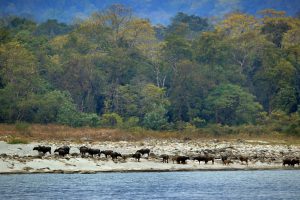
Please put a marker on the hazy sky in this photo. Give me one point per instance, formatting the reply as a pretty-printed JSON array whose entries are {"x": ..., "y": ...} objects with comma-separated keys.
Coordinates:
[{"x": 158, "y": 11}]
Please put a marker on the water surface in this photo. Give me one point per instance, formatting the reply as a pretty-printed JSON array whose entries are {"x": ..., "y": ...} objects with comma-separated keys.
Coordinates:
[{"x": 277, "y": 184}]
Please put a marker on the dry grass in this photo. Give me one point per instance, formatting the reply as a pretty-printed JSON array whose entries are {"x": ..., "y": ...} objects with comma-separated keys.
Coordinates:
[{"x": 61, "y": 133}]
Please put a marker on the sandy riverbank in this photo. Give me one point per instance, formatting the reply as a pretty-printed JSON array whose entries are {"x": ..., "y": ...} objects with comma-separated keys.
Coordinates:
[{"x": 20, "y": 158}]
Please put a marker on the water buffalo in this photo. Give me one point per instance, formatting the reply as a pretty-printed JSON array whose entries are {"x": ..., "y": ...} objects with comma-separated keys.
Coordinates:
[
  {"x": 180, "y": 159},
  {"x": 165, "y": 158},
  {"x": 114, "y": 155},
  {"x": 107, "y": 153},
  {"x": 224, "y": 157},
  {"x": 83, "y": 150},
  {"x": 295, "y": 161},
  {"x": 244, "y": 159},
  {"x": 227, "y": 162},
  {"x": 43, "y": 149},
  {"x": 143, "y": 151},
  {"x": 287, "y": 161},
  {"x": 137, "y": 156},
  {"x": 61, "y": 151},
  {"x": 290, "y": 162},
  {"x": 200, "y": 158},
  {"x": 205, "y": 158},
  {"x": 92, "y": 152},
  {"x": 209, "y": 158}
]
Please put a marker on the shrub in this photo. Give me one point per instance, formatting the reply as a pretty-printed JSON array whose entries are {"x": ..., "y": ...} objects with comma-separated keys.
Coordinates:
[
  {"x": 88, "y": 119},
  {"x": 14, "y": 140},
  {"x": 190, "y": 128},
  {"x": 219, "y": 129},
  {"x": 111, "y": 120},
  {"x": 156, "y": 119},
  {"x": 198, "y": 122},
  {"x": 131, "y": 123},
  {"x": 68, "y": 115},
  {"x": 179, "y": 125}
]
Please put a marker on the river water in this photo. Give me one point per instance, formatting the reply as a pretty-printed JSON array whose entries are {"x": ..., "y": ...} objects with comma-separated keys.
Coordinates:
[{"x": 275, "y": 184}]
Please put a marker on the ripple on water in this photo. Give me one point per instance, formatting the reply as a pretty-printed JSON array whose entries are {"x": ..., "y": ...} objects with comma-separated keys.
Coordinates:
[{"x": 275, "y": 184}]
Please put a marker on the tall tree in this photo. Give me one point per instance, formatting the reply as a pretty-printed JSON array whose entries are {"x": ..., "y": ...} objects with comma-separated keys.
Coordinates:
[{"x": 230, "y": 104}]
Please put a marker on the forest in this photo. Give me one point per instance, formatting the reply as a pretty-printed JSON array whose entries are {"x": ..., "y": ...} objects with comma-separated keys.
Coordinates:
[{"x": 117, "y": 70}]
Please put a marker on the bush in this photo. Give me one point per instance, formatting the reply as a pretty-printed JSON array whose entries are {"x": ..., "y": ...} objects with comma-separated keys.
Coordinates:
[
  {"x": 68, "y": 115},
  {"x": 14, "y": 140},
  {"x": 198, "y": 122},
  {"x": 180, "y": 125},
  {"x": 293, "y": 129},
  {"x": 111, "y": 120},
  {"x": 131, "y": 122},
  {"x": 219, "y": 130},
  {"x": 190, "y": 128},
  {"x": 156, "y": 119},
  {"x": 88, "y": 119}
]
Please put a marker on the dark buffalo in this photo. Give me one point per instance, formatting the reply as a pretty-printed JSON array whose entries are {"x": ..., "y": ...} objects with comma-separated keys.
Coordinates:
[
  {"x": 107, "y": 153},
  {"x": 137, "y": 156},
  {"x": 61, "y": 152},
  {"x": 200, "y": 158},
  {"x": 165, "y": 158},
  {"x": 93, "y": 152},
  {"x": 290, "y": 162},
  {"x": 83, "y": 150},
  {"x": 180, "y": 159},
  {"x": 143, "y": 151},
  {"x": 295, "y": 161},
  {"x": 66, "y": 149},
  {"x": 205, "y": 158},
  {"x": 115, "y": 155},
  {"x": 209, "y": 158},
  {"x": 223, "y": 158},
  {"x": 287, "y": 161},
  {"x": 42, "y": 149},
  {"x": 244, "y": 159}
]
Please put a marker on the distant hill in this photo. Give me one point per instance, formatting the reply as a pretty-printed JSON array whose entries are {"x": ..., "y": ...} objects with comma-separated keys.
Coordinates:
[{"x": 158, "y": 11}]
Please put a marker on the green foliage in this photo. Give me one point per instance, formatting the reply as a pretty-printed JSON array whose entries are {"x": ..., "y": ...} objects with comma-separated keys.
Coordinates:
[
  {"x": 191, "y": 74},
  {"x": 111, "y": 120},
  {"x": 16, "y": 140},
  {"x": 279, "y": 121},
  {"x": 187, "y": 25},
  {"x": 52, "y": 28},
  {"x": 156, "y": 119},
  {"x": 230, "y": 104},
  {"x": 131, "y": 123},
  {"x": 68, "y": 114},
  {"x": 198, "y": 122}
]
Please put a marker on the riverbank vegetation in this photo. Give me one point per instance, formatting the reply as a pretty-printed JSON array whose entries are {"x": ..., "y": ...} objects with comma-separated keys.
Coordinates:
[
  {"x": 239, "y": 75},
  {"x": 63, "y": 133}
]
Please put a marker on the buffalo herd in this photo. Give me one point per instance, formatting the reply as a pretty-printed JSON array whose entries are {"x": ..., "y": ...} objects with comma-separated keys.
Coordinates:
[
  {"x": 290, "y": 161},
  {"x": 206, "y": 157}
]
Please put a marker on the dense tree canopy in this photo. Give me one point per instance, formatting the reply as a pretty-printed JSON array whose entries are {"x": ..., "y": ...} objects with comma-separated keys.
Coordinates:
[{"x": 114, "y": 69}]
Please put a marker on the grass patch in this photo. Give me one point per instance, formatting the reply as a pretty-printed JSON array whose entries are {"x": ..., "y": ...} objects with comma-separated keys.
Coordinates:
[
  {"x": 22, "y": 128},
  {"x": 16, "y": 140}
]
